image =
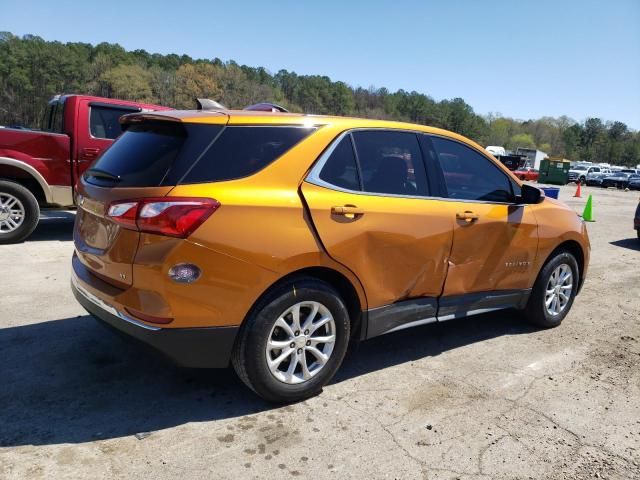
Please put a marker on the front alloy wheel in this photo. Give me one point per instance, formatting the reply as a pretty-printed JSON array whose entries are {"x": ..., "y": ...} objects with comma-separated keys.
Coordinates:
[
  {"x": 559, "y": 288},
  {"x": 554, "y": 290}
]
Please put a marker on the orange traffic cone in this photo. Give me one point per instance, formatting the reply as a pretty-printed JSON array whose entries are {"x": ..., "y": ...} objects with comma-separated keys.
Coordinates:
[{"x": 578, "y": 190}]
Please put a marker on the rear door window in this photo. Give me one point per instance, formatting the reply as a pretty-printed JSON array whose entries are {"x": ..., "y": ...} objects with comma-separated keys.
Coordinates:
[
  {"x": 341, "y": 169},
  {"x": 104, "y": 120},
  {"x": 390, "y": 162},
  {"x": 468, "y": 175},
  {"x": 241, "y": 151}
]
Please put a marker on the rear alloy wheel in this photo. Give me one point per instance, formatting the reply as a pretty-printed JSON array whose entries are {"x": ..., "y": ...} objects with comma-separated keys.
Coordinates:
[
  {"x": 293, "y": 342},
  {"x": 301, "y": 342},
  {"x": 19, "y": 212},
  {"x": 554, "y": 291}
]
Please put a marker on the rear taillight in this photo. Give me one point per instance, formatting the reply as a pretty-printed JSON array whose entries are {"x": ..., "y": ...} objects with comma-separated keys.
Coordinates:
[{"x": 171, "y": 216}]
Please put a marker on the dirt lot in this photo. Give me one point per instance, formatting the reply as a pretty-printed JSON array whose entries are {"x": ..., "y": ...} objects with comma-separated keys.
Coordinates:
[{"x": 486, "y": 396}]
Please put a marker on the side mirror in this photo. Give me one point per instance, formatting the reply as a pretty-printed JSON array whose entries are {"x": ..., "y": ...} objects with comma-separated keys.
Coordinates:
[{"x": 530, "y": 195}]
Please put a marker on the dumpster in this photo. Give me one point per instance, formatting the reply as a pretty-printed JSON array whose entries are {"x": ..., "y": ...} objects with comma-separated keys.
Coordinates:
[{"x": 554, "y": 171}]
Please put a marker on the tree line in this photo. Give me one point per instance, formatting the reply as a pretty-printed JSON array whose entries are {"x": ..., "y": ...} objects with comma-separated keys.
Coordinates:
[{"x": 32, "y": 70}]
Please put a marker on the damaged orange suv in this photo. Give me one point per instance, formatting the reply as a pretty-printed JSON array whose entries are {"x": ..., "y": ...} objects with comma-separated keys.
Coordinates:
[{"x": 269, "y": 240}]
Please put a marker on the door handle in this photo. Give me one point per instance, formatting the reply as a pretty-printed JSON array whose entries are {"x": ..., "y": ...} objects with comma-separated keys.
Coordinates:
[
  {"x": 468, "y": 216},
  {"x": 347, "y": 210},
  {"x": 90, "y": 153}
]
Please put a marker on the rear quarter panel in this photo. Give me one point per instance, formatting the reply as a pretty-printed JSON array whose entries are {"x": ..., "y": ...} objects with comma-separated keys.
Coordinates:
[{"x": 260, "y": 234}]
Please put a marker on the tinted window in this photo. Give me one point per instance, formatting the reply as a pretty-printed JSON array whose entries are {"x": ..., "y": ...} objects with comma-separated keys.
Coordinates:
[
  {"x": 468, "y": 175},
  {"x": 390, "y": 162},
  {"x": 104, "y": 121},
  {"x": 242, "y": 151},
  {"x": 54, "y": 117},
  {"x": 151, "y": 154},
  {"x": 57, "y": 118},
  {"x": 340, "y": 169}
]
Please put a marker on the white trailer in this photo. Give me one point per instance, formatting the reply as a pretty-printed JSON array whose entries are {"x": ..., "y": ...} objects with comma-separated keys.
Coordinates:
[{"x": 534, "y": 156}]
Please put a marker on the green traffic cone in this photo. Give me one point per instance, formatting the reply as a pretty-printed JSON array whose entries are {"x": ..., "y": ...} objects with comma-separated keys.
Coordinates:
[{"x": 587, "y": 215}]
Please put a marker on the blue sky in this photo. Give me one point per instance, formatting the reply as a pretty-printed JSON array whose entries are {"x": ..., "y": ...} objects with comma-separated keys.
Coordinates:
[{"x": 523, "y": 59}]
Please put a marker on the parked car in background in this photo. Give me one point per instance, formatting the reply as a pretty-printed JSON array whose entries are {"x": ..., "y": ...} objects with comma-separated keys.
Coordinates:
[
  {"x": 38, "y": 168},
  {"x": 634, "y": 182},
  {"x": 594, "y": 178},
  {"x": 527, "y": 173},
  {"x": 229, "y": 237},
  {"x": 618, "y": 180},
  {"x": 580, "y": 173},
  {"x": 636, "y": 221}
]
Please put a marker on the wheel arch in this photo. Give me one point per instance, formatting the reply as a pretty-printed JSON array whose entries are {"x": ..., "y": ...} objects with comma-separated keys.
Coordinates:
[
  {"x": 27, "y": 176},
  {"x": 337, "y": 280},
  {"x": 575, "y": 249}
]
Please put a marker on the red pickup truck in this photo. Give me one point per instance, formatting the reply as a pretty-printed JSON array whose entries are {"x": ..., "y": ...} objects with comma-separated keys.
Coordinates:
[{"x": 39, "y": 168}]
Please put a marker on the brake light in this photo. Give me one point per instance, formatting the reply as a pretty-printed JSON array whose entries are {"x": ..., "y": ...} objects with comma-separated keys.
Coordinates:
[{"x": 171, "y": 216}]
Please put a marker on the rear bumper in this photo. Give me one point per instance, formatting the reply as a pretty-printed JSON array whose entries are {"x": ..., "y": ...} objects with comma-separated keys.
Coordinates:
[{"x": 188, "y": 347}]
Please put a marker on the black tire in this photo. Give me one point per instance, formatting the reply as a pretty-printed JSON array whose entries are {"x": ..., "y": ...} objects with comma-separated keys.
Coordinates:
[
  {"x": 583, "y": 180},
  {"x": 31, "y": 212},
  {"x": 249, "y": 357},
  {"x": 536, "y": 311}
]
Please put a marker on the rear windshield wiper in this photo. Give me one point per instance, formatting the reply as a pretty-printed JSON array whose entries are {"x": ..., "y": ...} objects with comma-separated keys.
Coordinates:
[{"x": 99, "y": 173}]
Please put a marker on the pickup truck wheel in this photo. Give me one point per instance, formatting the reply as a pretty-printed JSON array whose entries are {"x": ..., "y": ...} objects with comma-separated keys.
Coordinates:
[
  {"x": 554, "y": 291},
  {"x": 19, "y": 212},
  {"x": 293, "y": 341}
]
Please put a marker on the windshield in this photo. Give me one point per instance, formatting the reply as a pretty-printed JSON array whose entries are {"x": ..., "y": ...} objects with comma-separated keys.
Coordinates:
[{"x": 580, "y": 167}]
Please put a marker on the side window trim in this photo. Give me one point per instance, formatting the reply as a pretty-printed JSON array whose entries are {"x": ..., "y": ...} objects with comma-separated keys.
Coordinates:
[
  {"x": 443, "y": 185},
  {"x": 435, "y": 177},
  {"x": 352, "y": 142}
]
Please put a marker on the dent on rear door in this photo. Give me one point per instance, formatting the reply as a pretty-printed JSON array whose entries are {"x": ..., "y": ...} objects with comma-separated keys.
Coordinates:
[{"x": 398, "y": 247}]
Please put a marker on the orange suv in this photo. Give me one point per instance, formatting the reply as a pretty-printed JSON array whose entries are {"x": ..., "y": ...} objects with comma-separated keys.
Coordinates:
[{"x": 270, "y": 240}]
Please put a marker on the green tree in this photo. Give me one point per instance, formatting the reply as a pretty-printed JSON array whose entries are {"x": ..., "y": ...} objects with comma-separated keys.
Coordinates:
[
  {"x": 33, "y": 69},
  {"x": 195, "y": 81},
  {"x": 129, "y": 82},
  {"x": 524, "y": 140}
]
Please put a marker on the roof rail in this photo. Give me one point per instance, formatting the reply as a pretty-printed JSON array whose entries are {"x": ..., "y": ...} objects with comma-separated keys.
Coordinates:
[{"x": 266, "y": 107}]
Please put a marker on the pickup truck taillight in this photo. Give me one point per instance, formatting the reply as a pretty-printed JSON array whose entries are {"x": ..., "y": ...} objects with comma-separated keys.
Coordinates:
[{"x": 171, "y": 216}]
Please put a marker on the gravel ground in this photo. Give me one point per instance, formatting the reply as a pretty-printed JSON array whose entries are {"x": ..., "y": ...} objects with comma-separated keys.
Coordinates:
[{"x": 487, "y": 396}]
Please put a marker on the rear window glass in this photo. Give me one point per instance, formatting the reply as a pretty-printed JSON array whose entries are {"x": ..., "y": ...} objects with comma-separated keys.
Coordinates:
[
  {"x": 243, "y": 151},
  {"x": 151, "y": 154}
]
